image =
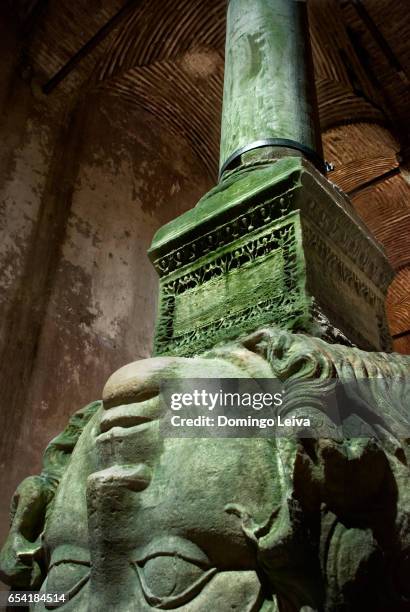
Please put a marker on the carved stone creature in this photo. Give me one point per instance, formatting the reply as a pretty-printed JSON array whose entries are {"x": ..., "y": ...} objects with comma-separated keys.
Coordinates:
[{"x": 123, "y": 519}]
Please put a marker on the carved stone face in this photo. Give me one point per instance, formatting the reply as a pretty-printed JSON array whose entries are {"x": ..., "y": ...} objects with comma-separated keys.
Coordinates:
[{"x": 143, "y": 523}]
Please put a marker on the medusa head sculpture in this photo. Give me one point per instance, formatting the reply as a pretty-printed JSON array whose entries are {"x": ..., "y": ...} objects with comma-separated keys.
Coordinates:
[{"x": 124, "y": 519}]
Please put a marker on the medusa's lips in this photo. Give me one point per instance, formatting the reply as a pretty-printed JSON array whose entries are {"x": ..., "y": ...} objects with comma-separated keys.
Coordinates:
[{"x": 130, "y": 415}]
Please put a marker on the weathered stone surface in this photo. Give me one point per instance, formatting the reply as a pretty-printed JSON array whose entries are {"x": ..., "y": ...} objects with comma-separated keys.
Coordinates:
[
  {"x": 271, "y": 244},
  {"x": 269, "y": 88},
  {"x": 139, "y": 522},
  {"x": 78, "y": 294}
]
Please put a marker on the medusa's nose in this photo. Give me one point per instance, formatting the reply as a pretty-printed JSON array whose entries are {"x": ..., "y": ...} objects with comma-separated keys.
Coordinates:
[{"x": 136, "y": 382}]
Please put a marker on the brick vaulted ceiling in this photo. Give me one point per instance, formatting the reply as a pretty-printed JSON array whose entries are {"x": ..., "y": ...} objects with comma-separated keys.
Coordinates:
[{"x": 167, "y": 56}]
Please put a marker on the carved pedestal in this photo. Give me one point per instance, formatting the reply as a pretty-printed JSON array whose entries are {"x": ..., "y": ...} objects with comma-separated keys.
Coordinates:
[{"x": 272, "y": 244}]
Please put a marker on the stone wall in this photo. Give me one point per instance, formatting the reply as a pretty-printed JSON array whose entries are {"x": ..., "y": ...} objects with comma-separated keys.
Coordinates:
[{"x": 84, "y": 184}]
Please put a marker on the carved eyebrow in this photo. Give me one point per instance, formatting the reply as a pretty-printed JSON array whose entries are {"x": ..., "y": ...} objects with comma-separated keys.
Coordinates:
[
  {"x": 74, "y": 561},
  {"x": 173, "y": 547},
  {"x": 62, "y": 553},
  {"x": 200, "y": 562}
]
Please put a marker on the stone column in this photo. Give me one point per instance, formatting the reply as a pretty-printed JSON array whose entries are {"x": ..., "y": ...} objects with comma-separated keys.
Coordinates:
[{"x": 269, "y": 92}]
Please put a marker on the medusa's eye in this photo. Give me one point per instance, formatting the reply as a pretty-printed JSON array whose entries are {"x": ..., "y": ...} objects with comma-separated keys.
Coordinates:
[
  {"x": 68, "y": 578},
  {"x": 172, "y": 575}
]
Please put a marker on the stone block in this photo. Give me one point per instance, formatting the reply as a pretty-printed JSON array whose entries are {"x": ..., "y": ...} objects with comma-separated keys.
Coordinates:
[{"x": 274, "y": 244}]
